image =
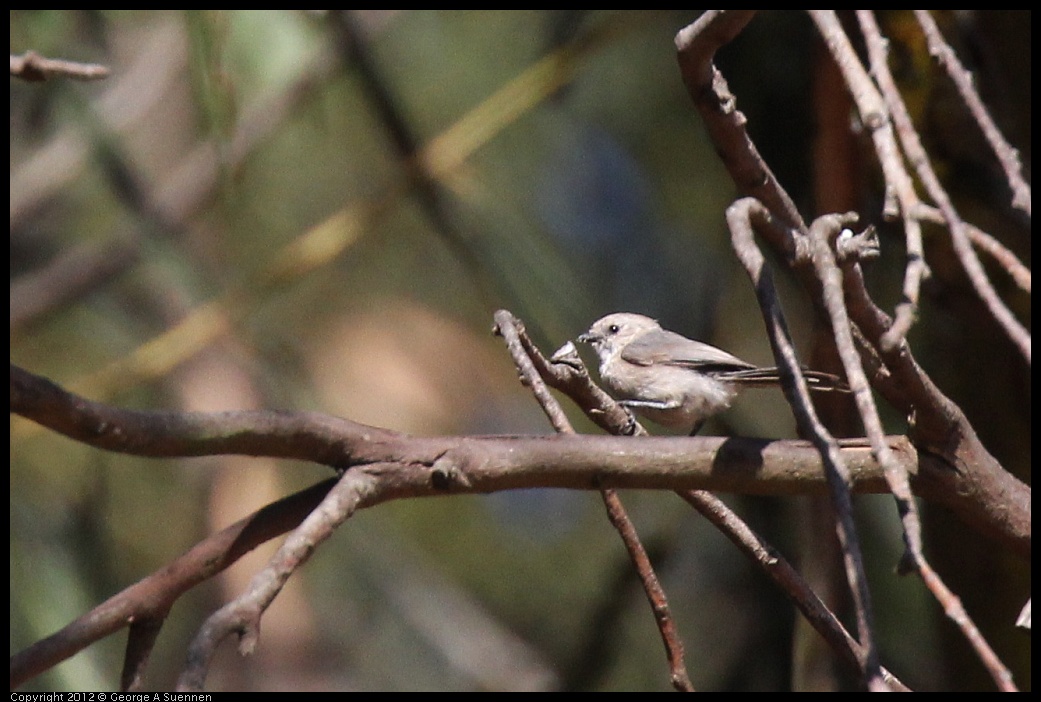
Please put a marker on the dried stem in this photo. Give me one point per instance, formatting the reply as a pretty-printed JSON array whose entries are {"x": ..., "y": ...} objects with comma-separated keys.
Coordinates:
[
  {"x": 568, "y": 374},
  {"x": 522, "y": 352},
  {"x": 880, "y": 340},
  {"x": 740, "y": 218},
  {"x": 868, "y": 100},
  {"x": 33, "y": 67},
  {"x": 242, "y": 615},
  {"x": 1007, "y": 156}
]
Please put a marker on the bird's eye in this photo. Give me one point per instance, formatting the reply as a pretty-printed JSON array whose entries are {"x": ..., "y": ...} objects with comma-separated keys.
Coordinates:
[{"x": 613, "y": 329}]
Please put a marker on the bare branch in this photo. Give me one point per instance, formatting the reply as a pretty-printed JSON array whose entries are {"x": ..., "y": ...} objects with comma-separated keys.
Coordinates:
[
  {"x": 875, "y": 110},
  {"x": 512, "y": 330},
  {"x": 151, "y": 598},
  {"x": 823, "y": 231},
  {"x": 356, "y": 489},
  {"x": 399, "y": 466},
  {"x": 778, "y": 569},
  {"x": 943, "y": 461},
  {"x": 981, "y": 491},
  {"x": 939, "y": 422},
  {"x": 983, "y": 241},
  {"x": 33, "y": 67},
  {"x": 1008, "y": 156},
  {"x": 568, "y": 373},
  {"x": 918, "y": 157},
  {"x": 466, "y": 464},
  {"x": 740, "y": 218},
  {"x": 696, "y": 46}
]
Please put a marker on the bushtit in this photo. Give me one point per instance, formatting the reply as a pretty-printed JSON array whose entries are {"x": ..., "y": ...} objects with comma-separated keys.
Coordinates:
[{"x": 672, "y": 380}]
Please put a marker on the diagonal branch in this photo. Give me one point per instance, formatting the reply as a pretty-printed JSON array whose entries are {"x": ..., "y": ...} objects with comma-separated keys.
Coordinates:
[
  {"x": 1006, "y": 154},
  {"x": 241, "y": 616},
  {"x": 876, "y": 113},
  {"x": 568, "y": 374},
  {"x": 940, "y": 427},
  {"x": 512, "y": 331},
  {"x": 405, "y": 466},
  {"x": 152, "y": 597},
  {"x": 740, "y": 218}
]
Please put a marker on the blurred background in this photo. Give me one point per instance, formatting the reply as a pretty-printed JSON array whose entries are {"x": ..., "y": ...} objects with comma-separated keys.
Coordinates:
[{"x": 321, "y": 211}]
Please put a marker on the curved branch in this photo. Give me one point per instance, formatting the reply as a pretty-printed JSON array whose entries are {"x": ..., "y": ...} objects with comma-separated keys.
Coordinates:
[
  {"x": 696, "y": 45},
  {"x": 354, "y": 490},
  {"x": 876, "y": 115},
  {"x": 405, "y": 466},
  {"x": 740, "y": 217},
  {"x": 391, "y": 466},
  {"x": 976, "y": 486},
  {"x": 524, "y": 354}
]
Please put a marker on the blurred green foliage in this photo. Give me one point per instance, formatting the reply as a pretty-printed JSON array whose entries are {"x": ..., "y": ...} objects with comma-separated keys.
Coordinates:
[{"x": 274, "y": 238}]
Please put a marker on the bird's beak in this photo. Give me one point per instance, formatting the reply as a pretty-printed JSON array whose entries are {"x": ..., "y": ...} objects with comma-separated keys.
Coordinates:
[{"x": 588, "y": 337}]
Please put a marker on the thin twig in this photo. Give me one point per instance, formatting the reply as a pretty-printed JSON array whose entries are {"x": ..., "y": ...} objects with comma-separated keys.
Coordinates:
[
  {"x": 141, "y": 640},
  {"x": 740, "y": 217},
  {"x": 876, "y": 107},
  {"x": 875, "y": 114},
  {"x": 568, "y": 374},
  {"x": 410, "y": 467},
  {"x": 963, "y": 80},
  {"x": 33, "y": 67},
  {"x": 822, "y": 233},
  {"x": 142, "y": 83},
  {"x": 151, "y": 598},
  {"x": 983, "y": 241},
  {"x": 512, "y": 332},
  {"x": 785, "y": 576},
  {"x": 955, "y": 611},
  {"x": 242, "y": 615}
]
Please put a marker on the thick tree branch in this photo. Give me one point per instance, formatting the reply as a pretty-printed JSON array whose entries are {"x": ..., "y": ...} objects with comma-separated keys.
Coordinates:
[
  {"x": 424, "y": 466},
  {"x": 487, "y": 464},
  {"x": 394, "y": 466},
  {"x": 977, "y": 486},
  {"x": 938, "y": 423}
]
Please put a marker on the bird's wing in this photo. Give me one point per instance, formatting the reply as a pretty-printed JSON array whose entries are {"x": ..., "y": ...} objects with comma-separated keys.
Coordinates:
[{"x": 672, "y": 349}]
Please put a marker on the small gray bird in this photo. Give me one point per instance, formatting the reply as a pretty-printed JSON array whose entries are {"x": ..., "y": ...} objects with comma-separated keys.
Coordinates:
[{"x": 672, "y": 380}]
